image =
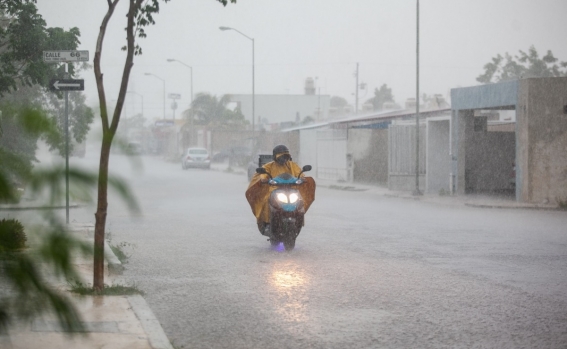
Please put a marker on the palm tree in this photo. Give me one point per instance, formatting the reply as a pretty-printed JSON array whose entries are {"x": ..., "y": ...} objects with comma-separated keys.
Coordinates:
[{"x": 208, "y": 110}]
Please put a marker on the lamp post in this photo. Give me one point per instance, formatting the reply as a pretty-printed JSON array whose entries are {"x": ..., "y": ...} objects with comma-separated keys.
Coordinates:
[
  {"x": 417, "y": 191},
  {"x": 142, "y": 96},
  {"x": 191, "y": 103},
  {"x": 188, "y": 66},
  {"x": 163, "y": 91},
  {"x": 253, "y": 95}
]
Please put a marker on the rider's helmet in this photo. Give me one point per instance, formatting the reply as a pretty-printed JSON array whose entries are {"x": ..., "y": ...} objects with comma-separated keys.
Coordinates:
[{"x": 281, "y": 152}]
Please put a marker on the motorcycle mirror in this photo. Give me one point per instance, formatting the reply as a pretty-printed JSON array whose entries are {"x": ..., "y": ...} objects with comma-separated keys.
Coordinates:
[{"x": 307, "y": 168}]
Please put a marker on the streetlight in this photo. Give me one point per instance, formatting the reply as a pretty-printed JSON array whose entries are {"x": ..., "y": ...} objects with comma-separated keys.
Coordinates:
[
  {"x": 188, "y": 66},
  {"x": 142, "y": 96},
  {"x": 155, "y": 76},
  {"x": 253, "y": 102},
  {"x": 190, "y": 104},
  {"x": 417, "y": 192}
]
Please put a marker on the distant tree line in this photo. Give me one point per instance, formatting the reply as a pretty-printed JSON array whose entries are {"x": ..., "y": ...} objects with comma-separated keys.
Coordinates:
[{"x": 523, "y": 65}]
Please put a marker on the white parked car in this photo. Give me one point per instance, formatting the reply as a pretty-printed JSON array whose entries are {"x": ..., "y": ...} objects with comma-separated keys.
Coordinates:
[{"x": 196, "y": 157}]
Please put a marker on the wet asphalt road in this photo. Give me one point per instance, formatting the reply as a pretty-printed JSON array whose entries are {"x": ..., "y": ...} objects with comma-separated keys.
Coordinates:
[{"x": 367, "y": 271}]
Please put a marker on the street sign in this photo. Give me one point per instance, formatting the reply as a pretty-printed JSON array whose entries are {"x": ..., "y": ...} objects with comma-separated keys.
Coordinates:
[
  {"x": 174, "y": 96},
  {"x": 65, "y": 56},
  {"x": 67, "y": 84}
]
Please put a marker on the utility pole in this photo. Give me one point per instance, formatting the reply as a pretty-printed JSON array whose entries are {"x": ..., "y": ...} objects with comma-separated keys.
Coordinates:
[
  {"x": 66, "y": 147},
  {"x": 417, "y": 191},
  {"x": 356, "y": 92}
]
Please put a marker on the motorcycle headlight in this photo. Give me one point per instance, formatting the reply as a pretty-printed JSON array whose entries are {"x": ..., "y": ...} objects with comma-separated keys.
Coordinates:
[
  {"x": 293, "y": 197},
  {"x": 282, "y": 197}
]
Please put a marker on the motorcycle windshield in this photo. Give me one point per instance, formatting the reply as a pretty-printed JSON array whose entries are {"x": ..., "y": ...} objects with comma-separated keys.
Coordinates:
[{"x": 285, "y": 178}]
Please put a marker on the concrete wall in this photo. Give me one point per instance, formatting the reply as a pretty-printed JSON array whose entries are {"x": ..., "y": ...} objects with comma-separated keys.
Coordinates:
[
  {"x": 438, "y": 161},
  {"x": 464, "y": 120},
  {"x": 281, "y": 108},
  {"x": 401, "y": 156},
  {"x": 489, "y": 162},
  {"x": 485, "y": 96},
  {"x": 369, "y": 148},
  {"x": 542, "y": 139},
  {"x": 308, "y": 149}
]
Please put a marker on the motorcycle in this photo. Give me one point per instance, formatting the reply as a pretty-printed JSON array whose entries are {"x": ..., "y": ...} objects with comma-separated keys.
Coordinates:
[{"x": 287, "y": 207}]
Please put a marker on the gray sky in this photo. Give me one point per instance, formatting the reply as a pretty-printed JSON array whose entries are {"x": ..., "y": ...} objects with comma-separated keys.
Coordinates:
[{"x": 296, "y": 39}]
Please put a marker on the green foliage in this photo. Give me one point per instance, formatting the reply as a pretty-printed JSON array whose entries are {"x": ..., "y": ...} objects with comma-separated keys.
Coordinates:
[
  {"x": 80, "y": 118},
  {"x": 308, "y": 120},
  {"x": 523, "y": 65},
  {"x": 381, "y": 95},
  {"x": 55, "y": 249},
  {"x": 30, "y": 293},
  {"x": 21, "y": 129},
  {"x": 210, "y": 111},
  {"x": 23, "y": 38},
  {"x": 12, "y": 235},
  {"x": 113, "y": 290},
  {"x": 338, "y": 102},
  {"x": 120, "y": 249}
]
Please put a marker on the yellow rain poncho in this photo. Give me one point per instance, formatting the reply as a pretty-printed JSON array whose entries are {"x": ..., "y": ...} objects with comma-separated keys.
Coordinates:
[{"x": 258, "y": 193}]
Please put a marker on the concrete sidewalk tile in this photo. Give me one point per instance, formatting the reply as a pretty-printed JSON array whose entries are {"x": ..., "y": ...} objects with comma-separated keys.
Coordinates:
[
  {"x": 479, "y": 201},
  {"x": 111, "y": 322},
  {"x": 151, "y": 325}
]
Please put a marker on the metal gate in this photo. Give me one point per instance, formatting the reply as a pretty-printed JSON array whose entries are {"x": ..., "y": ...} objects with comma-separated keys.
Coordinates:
[
  {"x": 332, "y": 154},
  {"x": 401, "y": 159}
]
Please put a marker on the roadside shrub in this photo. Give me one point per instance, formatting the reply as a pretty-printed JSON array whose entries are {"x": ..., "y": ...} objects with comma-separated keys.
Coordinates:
[
  {"x": 12, "y": 236},
  {"x": 561, "y": 203}
]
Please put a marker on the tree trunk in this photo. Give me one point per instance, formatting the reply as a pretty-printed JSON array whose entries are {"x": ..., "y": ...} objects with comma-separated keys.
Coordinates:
[
  {"x": 102, "y": 199},
  {"x": 109, "y": 129},
  {"x": 101, "y": 212}
]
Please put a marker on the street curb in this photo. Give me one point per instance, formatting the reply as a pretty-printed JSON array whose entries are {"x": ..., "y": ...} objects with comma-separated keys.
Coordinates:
[
  {"x": 115, "y": 267},
  {"x": 440, "y": 202},
  {"x": 515, "y": 207},
  {"x": 151, "y": 325},
  {"x": 29, "y": 208}
]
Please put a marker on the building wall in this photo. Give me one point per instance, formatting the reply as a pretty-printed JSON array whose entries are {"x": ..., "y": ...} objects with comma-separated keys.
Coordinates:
[
  {"x": 489, "y": 164},
  {"x": 438, "y": 166},
  {"x": 283, "y": 108},
  {"x": 464, "y": 126},
  {"x": 308, "y": 149},
  {"x": 542, "y": 135},
  {"x": 401, "y": 156},
  {"x": 369, "y": 149}
]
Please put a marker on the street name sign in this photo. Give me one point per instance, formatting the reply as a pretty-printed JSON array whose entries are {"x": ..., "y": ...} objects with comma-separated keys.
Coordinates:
[
  {"x": 67, "y": 84},
  {"x": 65, "y": 56},
  {"x": 174, "y": 96}
]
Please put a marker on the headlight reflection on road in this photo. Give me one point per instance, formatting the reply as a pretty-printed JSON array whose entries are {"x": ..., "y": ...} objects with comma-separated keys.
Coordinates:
[{"x": 291, "y": 284}]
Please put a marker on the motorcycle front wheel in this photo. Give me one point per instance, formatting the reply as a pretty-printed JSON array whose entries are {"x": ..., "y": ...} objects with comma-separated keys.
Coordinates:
[{"x": 289, "y": 243}]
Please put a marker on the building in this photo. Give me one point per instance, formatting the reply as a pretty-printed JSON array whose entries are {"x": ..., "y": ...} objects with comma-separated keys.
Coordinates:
[
  {"x": 276, "y": 109},
  {"x": 533, "y": 156}
]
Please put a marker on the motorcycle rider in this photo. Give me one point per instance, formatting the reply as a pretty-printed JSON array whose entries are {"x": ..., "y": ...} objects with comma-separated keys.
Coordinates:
[{"x": 257, "y": 195}]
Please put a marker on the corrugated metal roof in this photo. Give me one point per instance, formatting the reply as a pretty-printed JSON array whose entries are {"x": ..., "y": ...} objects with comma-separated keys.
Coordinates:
[{"x": 373, "y": 117}]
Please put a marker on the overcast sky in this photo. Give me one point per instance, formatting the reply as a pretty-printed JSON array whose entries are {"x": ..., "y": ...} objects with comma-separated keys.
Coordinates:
[{"x": 296, "y": 39}]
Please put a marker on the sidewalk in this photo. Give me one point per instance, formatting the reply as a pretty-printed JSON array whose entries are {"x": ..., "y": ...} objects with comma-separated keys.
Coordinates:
[
  {"x": 112, "y": 321},
  {"x": 470, "y": 200}
]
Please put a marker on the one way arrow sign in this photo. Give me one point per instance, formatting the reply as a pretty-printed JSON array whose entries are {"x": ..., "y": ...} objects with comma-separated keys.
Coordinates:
[{"x": 67, "y": 84}]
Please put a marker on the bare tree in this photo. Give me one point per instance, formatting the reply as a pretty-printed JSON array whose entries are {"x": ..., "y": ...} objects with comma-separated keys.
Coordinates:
[{"x": 140, "y": 14}]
